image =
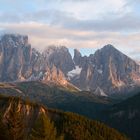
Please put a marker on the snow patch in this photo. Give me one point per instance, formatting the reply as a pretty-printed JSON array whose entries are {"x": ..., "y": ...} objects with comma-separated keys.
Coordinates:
[
  {"x": 99, "y": 92},
  {"x": 100, "y": 71},
  {"x": 74, "y": 72}
]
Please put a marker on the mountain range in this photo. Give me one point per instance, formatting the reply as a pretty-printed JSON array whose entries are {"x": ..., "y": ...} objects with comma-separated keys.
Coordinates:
[
  {"x": 104, "y": 86},
  {"x": 107, "y": 72}
]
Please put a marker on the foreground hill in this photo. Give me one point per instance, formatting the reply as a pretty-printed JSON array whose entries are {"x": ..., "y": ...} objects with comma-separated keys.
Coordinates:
[
  {"x": 23, "y": 120},
  {"x": 125, "y": 116},
  {"x": 54, "y": 96}
]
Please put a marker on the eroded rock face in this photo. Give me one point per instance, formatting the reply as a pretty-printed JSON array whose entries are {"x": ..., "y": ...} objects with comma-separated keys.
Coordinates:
[
  {"x": 15, "y": 57},
  {"x": 55, "y": 75},
  {"x": 110, "y": 70},
  {"x": 77, "y": 57},
  {"x": 20, "y": 62},
  {"x": 60, "y": 57}
]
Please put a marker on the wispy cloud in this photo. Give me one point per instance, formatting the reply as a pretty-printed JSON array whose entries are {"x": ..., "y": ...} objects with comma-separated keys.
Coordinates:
[{"x": 42, "y": 35}]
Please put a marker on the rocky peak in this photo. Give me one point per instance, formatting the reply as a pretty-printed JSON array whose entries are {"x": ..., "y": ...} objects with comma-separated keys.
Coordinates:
[
  {"x": 109, "y": 69},
  {"x": 77, "y": 57},
  {"x": 14, "y": 40},
  {"x": 54, "y": 75},
  {"x": 77, "y": 52},
  {"x": 60, "y": 57},
  {"x": 107, "y": 51},
  {"x": 15, "y": 57},
  {"x": 116, "y": 64},
  {"x": 49, "y": 50},
  {"x": 109, "y": 47},
  {"x": 18, "y": 61},
  {"x": 54, "y": 49}
]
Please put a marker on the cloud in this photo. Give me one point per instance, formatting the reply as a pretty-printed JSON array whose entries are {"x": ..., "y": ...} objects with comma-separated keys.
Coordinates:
[
  {"x": 74, "y": 23},
  {"x": 101, "y": 15},
  {"x": 42, "y": 35},
  {"x": 127, "y": 22}
]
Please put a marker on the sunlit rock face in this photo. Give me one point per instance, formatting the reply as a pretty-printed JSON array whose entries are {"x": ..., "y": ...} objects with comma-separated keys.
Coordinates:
[
  {"x": 106, "y": 72},
  {"x": 20, "y": 62},
  {"x": 60, "y": 57},
  {"x": 110, "y": 70},
  {"x": 54, "y": 75}
]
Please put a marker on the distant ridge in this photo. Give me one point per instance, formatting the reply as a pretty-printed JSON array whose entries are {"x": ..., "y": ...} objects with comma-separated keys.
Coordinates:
[{"x": 107, "y": 69}]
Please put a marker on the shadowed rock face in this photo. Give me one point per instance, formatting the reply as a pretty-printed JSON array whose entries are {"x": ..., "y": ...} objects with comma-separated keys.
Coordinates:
[
  {"x": 15, "y": 57},
  {"x": 60, "y": 57},
  {"x": 77, "y": 57},
  {"x": 19, "y": 62},
  {"x": 110, "y": 70}
]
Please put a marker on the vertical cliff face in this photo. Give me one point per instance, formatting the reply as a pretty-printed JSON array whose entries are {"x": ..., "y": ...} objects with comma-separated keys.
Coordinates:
[
  {"x": 54, "y": 75},
  {"x": 110, "y": 70},
  {"x": 116, "y": 68},
  {"x": 19, "y": 62},
  {"x": 15, "y": 57},
  {"x": 60, "y": 57},
  {"x": 77, "y": 57}
]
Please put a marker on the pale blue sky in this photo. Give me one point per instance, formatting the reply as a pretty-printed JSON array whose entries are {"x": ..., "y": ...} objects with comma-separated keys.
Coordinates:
[{"x": 81, "y": 24}]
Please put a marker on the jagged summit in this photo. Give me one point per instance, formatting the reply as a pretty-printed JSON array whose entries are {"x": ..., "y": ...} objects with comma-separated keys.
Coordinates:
[
  {"x": 14, "y": 40},
  {"x": 77, "y": 52},
  {"x": 13, "y": 35},
  {"x": 60, "y": 57},
  {"x": 108, "y": 68},
  {"x": 108, "y": 46},
  {"x": 53, "y": 48},
  {"x": 21, "y": 62},
  {"x": 77, "y": 57},
  {"x": 109, "y": 49},
  {"x": 110, "y": 53}
]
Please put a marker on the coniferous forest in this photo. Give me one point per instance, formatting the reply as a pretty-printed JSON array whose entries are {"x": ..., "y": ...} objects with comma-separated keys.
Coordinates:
[{"x": 21, "y": 120}]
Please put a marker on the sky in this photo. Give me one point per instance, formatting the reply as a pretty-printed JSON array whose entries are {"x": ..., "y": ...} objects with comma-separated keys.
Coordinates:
[{"x": 83, "y": 24}]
